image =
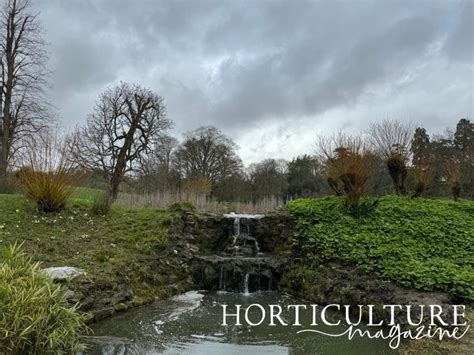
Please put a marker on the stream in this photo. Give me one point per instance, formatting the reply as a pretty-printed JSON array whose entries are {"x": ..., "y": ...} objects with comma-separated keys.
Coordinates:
[{"x": 191, "y": 323}]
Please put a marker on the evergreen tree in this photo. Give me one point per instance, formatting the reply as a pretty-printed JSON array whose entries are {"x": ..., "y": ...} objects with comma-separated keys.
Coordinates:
[{"x": 420, "y": 148}]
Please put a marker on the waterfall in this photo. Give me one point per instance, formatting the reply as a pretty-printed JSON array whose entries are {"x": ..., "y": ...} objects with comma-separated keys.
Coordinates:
[
  {"x": 236, "y": 225},
  {"x": 257, "y": 247},
  {"x": 238, "y": 263},
  {"x": 243, "y": 243},
  {"x": 246, "y": 284},
  {"x": 243, "y": 257}
]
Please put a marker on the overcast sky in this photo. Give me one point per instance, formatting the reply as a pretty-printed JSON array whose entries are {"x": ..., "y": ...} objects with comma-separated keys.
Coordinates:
[{"x": 270, "y": 74}]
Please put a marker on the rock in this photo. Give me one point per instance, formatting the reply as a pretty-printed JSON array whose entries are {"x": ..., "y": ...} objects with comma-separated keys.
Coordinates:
[{"x": 63, "y": 272}]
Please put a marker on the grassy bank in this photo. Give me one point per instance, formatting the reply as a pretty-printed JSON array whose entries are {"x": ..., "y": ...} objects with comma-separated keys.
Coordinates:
[
  {"x": 127, "y": 254},
  {"x": 425, "y": 244}
]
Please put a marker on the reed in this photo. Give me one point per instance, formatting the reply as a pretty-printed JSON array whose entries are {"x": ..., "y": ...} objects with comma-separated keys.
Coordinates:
[{"x": 163, "y": 199}]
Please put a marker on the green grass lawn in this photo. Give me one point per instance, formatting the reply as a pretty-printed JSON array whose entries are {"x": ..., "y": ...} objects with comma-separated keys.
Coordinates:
[
  {"x": 86, "y": 194},
  {"x": 426, "y": 244},
  {"x": 114, "y": 248}
]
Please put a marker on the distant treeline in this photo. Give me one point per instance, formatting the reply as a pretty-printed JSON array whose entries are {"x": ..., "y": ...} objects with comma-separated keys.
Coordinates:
[{"x": 206, "y": 163}]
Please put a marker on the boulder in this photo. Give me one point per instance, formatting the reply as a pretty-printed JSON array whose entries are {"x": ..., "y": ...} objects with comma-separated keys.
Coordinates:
[{"x": 63, "y": 272}]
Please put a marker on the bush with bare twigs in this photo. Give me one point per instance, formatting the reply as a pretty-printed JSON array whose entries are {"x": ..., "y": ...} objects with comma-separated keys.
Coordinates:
[
  {"x": 48, "y": 176},
  {"x": 421, "y": 176},
  {"x": 392, "y": 140},
  {"x": 397, "y": 168},
  {"x": 348, "y": 164}
]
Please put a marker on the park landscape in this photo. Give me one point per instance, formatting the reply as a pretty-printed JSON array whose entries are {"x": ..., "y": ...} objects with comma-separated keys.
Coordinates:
[{"x": 382, "y": 216}]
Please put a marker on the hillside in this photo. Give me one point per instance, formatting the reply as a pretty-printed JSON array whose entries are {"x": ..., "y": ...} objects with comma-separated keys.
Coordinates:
[
  {"x": 425, "y": 244},
  {"x": 127, "y": 254}
]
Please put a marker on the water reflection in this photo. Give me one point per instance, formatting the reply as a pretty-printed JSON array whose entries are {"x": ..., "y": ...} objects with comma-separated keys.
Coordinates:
[{"x": 191, "y": 324}]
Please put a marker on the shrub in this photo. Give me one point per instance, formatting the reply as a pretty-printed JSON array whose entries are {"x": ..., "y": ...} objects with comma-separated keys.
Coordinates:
[
  {"x": 392, "y": 140},
  {"x": 348, "y": 168},
  {"x": 48, "y": 177},
  {"x": 422, "y": 177},
  {"x": 186, "y": 205},
  {"x": 34, "y": 316},
  {"x": 452, "y": 170},
  {"x": 396, "y": 165}
]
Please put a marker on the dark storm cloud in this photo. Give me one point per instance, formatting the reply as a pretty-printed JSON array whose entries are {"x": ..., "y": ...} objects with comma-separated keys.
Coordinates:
[{"x": 242, "y": 64}]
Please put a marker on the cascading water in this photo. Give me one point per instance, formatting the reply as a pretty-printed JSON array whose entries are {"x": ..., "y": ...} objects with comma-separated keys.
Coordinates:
[
  {"x": 246, "y": 283},
  {"x": 243, "y": 243},
  {"x": 244, "y": 257},
  {"x": 237, "y": 262}
]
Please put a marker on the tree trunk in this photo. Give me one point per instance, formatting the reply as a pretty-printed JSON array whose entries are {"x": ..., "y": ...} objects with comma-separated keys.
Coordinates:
[
  {"x": 113, "y": 189},
  {"x": 121, "y": 164},
  {"x": 7, "y": 129},
  {"x": 3, "y": 169}
]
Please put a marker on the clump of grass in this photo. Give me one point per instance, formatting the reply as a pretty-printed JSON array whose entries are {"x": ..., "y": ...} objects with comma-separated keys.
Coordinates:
[
  {"x": 49, "y": 176},
  {"x": 101, "y": 204},
  {"x": 34, "y": 316}
]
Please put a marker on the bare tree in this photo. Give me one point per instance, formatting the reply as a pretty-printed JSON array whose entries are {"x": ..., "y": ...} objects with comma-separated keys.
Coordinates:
[
  {"x": 122, "y": 130},
  {"x": 164, "y": 150},
  {"x": 158, "y": 171},
  {"x": 268, "y": 178},
  {"x": 207, "y": 153},
  {"x": 23, "y": 70},
  {"x": 392, "y": 140}
]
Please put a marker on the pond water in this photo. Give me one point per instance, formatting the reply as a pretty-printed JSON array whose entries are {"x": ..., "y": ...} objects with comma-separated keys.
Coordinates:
[{"x": 191, "y": 324}]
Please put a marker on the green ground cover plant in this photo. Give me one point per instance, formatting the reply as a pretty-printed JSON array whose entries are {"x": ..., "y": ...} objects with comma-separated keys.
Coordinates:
[{"x": 425, "y": 244}]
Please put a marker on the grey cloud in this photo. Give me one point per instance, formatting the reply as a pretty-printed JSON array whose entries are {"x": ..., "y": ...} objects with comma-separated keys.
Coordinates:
[
  {"x": 308, "y": 80},
  {"x": 241, "y": 65},
  {"x": 459, "y": 44}
]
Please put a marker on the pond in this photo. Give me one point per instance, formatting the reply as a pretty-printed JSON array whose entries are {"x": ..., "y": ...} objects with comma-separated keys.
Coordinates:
[{"x": 192, "y": 324}]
